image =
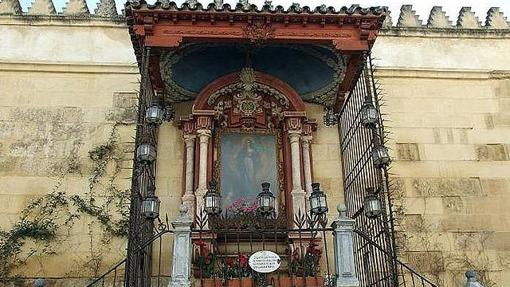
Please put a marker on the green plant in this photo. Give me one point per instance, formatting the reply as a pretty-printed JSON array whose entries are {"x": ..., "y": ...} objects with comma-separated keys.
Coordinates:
[
  {"x": 236, "y": 267},
  {"x": 307, "y": 264},
  {"x": 206, "y": 261},
  {"x": 45, "y": 220}
]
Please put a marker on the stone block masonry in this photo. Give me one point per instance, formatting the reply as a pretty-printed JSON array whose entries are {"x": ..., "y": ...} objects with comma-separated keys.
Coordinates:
[{"x": 447, "y": 106}]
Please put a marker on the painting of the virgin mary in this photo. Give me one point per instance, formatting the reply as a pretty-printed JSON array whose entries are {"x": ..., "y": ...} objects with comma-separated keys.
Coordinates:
[{"x": 247, "y": 160}]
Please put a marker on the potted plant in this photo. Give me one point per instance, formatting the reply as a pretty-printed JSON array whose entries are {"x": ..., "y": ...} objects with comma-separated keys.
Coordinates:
[
  {"x": 206, "y": 263},
  {"x": 304, "y": 268},
  {"x": 237, "y": 272}
]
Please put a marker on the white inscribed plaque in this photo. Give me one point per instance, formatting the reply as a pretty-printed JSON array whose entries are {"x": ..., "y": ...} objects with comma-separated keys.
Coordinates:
[{"x": 264, "y": 261}]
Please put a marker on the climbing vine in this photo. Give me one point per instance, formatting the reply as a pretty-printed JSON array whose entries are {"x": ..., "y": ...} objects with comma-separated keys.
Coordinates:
[{"x": 46, "y": 221}]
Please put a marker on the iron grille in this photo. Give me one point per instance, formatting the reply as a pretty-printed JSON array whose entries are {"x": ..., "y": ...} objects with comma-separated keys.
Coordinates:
[
  {"x": 374, "y": 266},
  {"x": 141, "y": 230}
]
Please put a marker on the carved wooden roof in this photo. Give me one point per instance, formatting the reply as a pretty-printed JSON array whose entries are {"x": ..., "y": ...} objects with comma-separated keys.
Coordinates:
[{"x": 167, "y": 26}]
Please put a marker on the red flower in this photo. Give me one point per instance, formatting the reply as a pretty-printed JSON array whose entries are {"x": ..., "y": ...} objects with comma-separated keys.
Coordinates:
[
  {"x": 243, "y": 260},
  {"x": 230, "y": 262}
]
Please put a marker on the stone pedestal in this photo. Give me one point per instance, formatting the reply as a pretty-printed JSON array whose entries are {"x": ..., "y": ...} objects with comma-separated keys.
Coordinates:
[
  {"x": 181, "y": 264},
  {"x": 344, "y": 250}
]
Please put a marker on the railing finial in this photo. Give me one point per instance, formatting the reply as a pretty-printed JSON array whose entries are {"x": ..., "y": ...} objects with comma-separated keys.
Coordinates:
[{"x": 471, "y": 279}]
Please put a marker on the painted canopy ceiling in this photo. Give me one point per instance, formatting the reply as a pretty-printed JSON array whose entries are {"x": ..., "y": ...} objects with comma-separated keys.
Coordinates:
[{"x": 313, "y": 71}]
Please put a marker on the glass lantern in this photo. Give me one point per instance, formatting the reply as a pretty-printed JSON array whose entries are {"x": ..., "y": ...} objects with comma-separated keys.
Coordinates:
[
  {"x": 146, "y": 153},
  {"x": 154, "y": 114},
  {"x": 372, "y": 205},
  {"x": 318, "y": 202},
  {"x": 266, "y": 200},
  {"x": 212, "y": 199},
  {"x": 330, "y": 118},
  {"x": 369, "y": 115},
  {"x": 380, "y": 156},
  {"x": 150, "y": 207}
]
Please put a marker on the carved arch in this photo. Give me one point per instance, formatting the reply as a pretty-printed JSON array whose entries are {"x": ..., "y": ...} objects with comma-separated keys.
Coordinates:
[{"x": 296, "y": 104}]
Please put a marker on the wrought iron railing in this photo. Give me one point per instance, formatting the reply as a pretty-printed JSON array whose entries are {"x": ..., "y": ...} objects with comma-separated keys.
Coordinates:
[
  {"x": 159, "y": 246},
  {"x": 138, "y": 264},
  {"x": 224, "y": 243},
  {"x": 357, "y": 142},
  {"x": 407, "y": 276},
  {"x": 375, "y": 250}
]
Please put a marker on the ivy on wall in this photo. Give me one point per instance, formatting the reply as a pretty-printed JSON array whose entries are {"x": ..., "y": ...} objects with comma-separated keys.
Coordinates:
[{"x": 46, "y": 221}]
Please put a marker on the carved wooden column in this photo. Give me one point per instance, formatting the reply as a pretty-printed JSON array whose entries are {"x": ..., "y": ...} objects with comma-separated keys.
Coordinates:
[
  {"x": 297, "y": 193},
  {"x": 203, "y": 125}
]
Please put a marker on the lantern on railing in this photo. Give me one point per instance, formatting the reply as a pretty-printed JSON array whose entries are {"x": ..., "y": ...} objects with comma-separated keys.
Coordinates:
[
  {"x": 154, "y": 114},
  {"x": 372, "y": 204},
  {"x": 369, "y": 114},
  {"x": 318, "y": 202},
  {"x": 212, "y": 199},
  {"x": 146, "y": 153},
  {"x": 330, "y": 117},
  {"x": 380, "y": 156},
  {"x": 266, "y": 200},
  {"x": 150, "y": 204}
]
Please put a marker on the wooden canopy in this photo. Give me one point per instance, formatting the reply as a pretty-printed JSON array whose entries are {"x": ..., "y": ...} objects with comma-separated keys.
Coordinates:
[{"x": 162, "y": 26}]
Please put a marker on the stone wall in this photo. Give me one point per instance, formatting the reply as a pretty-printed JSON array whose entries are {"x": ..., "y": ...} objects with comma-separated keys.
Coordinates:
[
  {"x": 67, "y": 81},
  {"x": 63, "y": 89},
  {"x": 447, "y": 105}
]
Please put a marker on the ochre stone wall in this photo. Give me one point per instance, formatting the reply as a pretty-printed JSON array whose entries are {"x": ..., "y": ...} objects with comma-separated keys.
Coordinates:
[
  {"x": 64, "y": 85},
  {"x": 62, "y": 91},
  {"x": 447, "y": 105}
]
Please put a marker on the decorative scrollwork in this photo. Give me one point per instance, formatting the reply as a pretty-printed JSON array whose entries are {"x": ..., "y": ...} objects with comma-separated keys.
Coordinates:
[{"x": 258, "y": 32}]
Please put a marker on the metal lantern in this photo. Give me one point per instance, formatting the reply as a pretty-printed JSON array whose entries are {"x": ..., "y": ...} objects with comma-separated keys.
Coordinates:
[
  {"x": 380, "y": 156},
  {"x": 318, "y": 202},
  {"x": 372, "y": 205},
  {"x": 150, "y": 206},
  {"x": 266, "y": 200},
  {"x": 330, "y": 118},
  {"x": 212, "y": 199},
  {"x": 369, "y": 115},
  {"x": 146, "y": 153},
  {"x": 154, "y": 114}
]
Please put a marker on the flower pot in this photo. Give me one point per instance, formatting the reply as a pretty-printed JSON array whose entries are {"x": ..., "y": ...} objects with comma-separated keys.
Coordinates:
[
  {"x": 240, "y": 282},
  {"x": 296, "y": 281},
  {"x": 210, "y": 283}
]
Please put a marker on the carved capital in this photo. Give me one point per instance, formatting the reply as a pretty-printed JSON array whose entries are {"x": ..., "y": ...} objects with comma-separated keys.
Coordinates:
[
  {"x": 306, "y": 140},
  {"x": 189, "y": 140},
  {"x": 203, "y": 122},
  {"x": 309, "y": 127},
  {"x": 188, "y": 127},
  {"x": 294, "y": 136},
  {"x": 204, "y": 135},
  {"x": 293, "y": 123}
]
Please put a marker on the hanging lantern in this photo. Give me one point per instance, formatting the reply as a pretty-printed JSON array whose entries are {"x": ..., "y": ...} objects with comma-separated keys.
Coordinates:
[
  {"x": 266, "y": 200},
  {"x": 146, "y": 153},
  {"x": 372, "y": 205},
  {"x": 154, "y": 114},
  {"x": 212, "y": 200},
  {"x": 369, "y": 115},
  {"x": 380, "y": 156},
  {"x": 330, "y": 118},
  {"x": 150, "y": 207},
  {"x": 318, "y": 202}
]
